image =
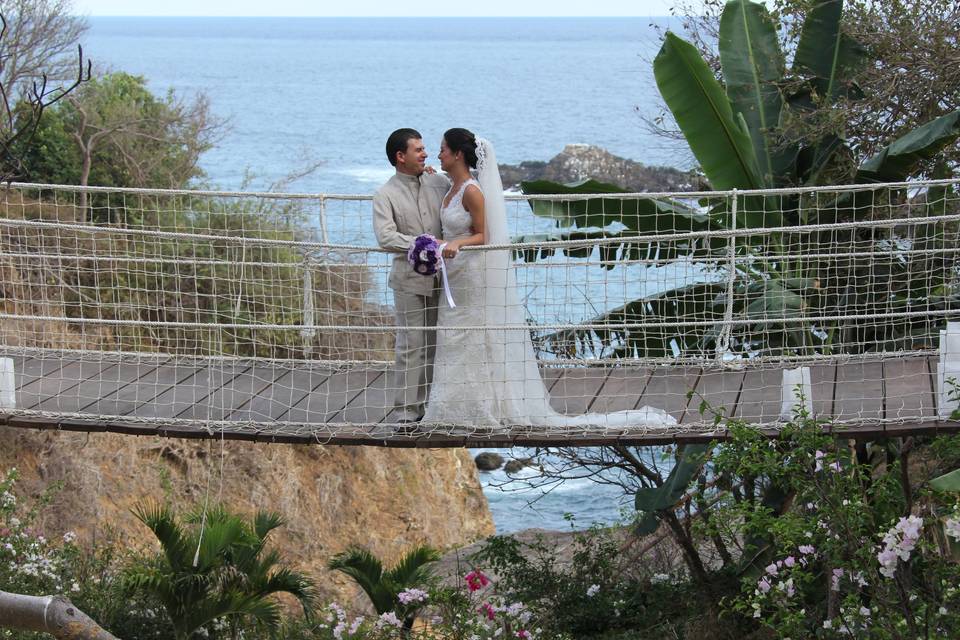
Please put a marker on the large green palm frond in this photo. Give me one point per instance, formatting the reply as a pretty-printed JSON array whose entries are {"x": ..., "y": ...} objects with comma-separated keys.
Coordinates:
[
  {"x": 161, "y": 521},
  {"x": 266, "y": 521},
  {"x": 285, "y": 580},
  {"x": 218, "y": 540},
  {"x": 412, "y": 568},
  {"x": 367, "y": 571}
]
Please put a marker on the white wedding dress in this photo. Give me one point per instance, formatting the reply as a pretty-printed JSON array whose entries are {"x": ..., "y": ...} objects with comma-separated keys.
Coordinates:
[{"x": 489, "y": 377}]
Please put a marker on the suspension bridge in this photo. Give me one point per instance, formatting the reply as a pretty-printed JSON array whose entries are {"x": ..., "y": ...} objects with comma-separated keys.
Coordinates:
[{"x": 266, "y": 316}]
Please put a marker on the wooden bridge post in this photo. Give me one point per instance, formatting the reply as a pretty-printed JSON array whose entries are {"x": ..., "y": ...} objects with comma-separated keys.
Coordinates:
[
  {"x": 794, "y": 391},
  {"x": 8, "y": 386},
  {"x": 948, "y": 371}
]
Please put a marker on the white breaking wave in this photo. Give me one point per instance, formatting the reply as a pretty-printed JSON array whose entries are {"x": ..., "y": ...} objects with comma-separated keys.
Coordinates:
[{"x": 375, "y": 175}]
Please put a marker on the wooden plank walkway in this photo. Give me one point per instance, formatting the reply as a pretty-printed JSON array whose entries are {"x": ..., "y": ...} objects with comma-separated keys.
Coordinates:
[{"x": 313, "y": 404}]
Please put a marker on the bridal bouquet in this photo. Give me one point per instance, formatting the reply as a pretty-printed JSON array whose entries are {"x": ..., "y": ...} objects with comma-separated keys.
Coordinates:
[{"x": 424, "y": 255}]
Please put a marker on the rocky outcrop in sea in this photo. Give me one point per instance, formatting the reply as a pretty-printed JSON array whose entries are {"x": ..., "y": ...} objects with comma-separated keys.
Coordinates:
[{"x": 581, "y": 161}]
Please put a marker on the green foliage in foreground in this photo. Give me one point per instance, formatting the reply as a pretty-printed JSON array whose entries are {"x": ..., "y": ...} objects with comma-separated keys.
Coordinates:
[
  {"x": 218, "y": 569},
  {"x": 866, "y": 545},
  {"x": 383, "y": 587}
]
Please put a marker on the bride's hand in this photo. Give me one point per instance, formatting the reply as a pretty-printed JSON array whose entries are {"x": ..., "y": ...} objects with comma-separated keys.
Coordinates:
[{"x": 451, "y": 249}]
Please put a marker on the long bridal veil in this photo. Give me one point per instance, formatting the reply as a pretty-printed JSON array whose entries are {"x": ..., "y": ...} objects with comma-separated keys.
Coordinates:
[{"x": 512, "y": 364}]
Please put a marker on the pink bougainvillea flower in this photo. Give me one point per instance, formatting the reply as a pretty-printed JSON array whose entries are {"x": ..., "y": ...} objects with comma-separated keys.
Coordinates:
[
  {"x": 486, "y": 609},
  {"x": 476, "y": 580}
]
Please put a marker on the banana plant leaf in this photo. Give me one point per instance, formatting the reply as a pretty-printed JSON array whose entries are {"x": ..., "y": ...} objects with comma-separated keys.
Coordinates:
[
  {"x": 719, "y": 138},
  {"x": 611, "y": 253},
  {"x": 939, "y": 196},
  {"x": 826, "y": 52},
  {"x": 752, "y": 65},
  {"x": 753, "y": 212},
  {"x": 901, "y": 158},
  {"x": 812, "y": 161},
  {"x": 641, "y": 215},
  {"x": 702, "y": 301},
  {"x": 652, "y": 499},
  {"x": 947, "y": 483},
  {"x": 762, "y": 298}
]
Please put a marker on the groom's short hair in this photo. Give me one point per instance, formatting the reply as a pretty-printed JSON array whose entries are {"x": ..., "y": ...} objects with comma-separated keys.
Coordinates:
[{"x": 398, "y": 141}]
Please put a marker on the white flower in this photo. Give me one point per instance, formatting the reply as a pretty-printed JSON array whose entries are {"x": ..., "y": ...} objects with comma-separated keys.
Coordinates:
[
  {"x": 828, "y": 624},
  {"x": 898, "y": 543},
  {"x": 952, "y": 527},
  {"x": 592, "y": 591},
  {"x": 660, "y": 577},
  {"x": 410, "y": 596},
  {"x": 356, "y": 625},
  {"x": 389, "y": 618},
  {"x": 69, "y": 537},
  {"x": 75, "y": 587}
]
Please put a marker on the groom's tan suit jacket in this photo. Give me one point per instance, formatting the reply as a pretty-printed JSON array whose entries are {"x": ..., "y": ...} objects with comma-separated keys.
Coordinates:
[{"x": 404, "y": 208}]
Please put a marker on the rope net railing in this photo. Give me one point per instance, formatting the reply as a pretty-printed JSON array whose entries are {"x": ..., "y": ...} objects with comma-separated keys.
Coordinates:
[{"x": 271, "y": 314}]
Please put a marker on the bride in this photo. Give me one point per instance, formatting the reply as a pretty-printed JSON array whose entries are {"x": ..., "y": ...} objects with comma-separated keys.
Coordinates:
[{"x": 489, "y": 376}]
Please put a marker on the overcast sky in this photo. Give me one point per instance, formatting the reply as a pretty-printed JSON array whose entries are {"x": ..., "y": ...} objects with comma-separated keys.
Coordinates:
[{"x": 371, "y": 8}]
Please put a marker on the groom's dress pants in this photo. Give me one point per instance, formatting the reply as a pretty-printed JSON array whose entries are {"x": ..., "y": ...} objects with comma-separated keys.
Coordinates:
[{"x": 416, "y": 345}]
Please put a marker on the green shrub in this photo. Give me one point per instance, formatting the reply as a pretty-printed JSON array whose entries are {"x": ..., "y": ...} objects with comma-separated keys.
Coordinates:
[{"x": 863, "y": 548}]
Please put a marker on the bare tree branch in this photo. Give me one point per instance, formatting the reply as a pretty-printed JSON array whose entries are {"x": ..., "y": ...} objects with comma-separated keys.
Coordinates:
[{"x": 41, "y": 33}]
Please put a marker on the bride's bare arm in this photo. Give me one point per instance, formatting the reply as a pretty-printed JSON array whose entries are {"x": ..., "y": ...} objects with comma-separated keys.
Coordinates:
[{"x": 473, "y": 203}]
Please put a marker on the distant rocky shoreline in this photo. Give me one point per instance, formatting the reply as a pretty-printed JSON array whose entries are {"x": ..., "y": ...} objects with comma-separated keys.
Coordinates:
[{"x": 580, "y": 161}]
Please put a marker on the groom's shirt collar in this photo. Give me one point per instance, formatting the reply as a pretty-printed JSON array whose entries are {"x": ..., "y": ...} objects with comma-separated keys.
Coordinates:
[{"x": 407, "y": 178}]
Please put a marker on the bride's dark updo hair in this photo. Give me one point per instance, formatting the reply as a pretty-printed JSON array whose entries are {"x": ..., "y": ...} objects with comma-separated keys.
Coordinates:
[{"x": 463, "y": 141}]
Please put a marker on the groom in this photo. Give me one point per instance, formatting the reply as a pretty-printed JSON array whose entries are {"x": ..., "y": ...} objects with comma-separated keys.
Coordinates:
[{"x": 406, "y": 206}]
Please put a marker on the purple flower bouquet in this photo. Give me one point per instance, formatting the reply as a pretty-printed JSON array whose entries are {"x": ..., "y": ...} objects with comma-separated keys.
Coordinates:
[{"x": 424, "y": 255}]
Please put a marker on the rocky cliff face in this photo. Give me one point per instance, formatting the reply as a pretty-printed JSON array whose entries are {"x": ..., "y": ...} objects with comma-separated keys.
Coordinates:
[
  {"x": 581, "y": 161},
  {"x": 387, "y": 500}
]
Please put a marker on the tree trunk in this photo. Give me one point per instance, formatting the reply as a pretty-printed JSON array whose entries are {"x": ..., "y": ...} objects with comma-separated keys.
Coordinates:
[
  {"x": 55, "y": 615},
  {"x": 84, "y": 178}
]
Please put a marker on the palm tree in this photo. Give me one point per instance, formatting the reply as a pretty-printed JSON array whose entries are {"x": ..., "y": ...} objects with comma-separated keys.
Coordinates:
[
  {"x": 221, "y": 571},
  {"x": 383, "y": 587}
]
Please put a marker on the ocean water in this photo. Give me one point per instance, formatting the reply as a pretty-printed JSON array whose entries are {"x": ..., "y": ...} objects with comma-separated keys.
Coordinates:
[
  {"x": 330, "y": 90},
  {"x": 300, "y": 91}
]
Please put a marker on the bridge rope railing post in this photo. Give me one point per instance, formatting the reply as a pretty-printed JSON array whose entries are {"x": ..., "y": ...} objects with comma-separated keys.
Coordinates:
[
  {"x": 723, "y": 341},
  {"x": 324, "y": 232}
]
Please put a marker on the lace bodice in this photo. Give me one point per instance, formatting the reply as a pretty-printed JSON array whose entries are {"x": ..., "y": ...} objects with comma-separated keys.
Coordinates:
[{"x": 456, "y": 220}]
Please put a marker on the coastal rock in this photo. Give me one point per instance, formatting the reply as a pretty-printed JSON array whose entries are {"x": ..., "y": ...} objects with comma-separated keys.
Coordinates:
[
  {"x": 488, "y": 461},
  {"x": 387, "y": 500},
  {"x": 517, "y": 464},
  {"x": 581, "y": 161}
]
